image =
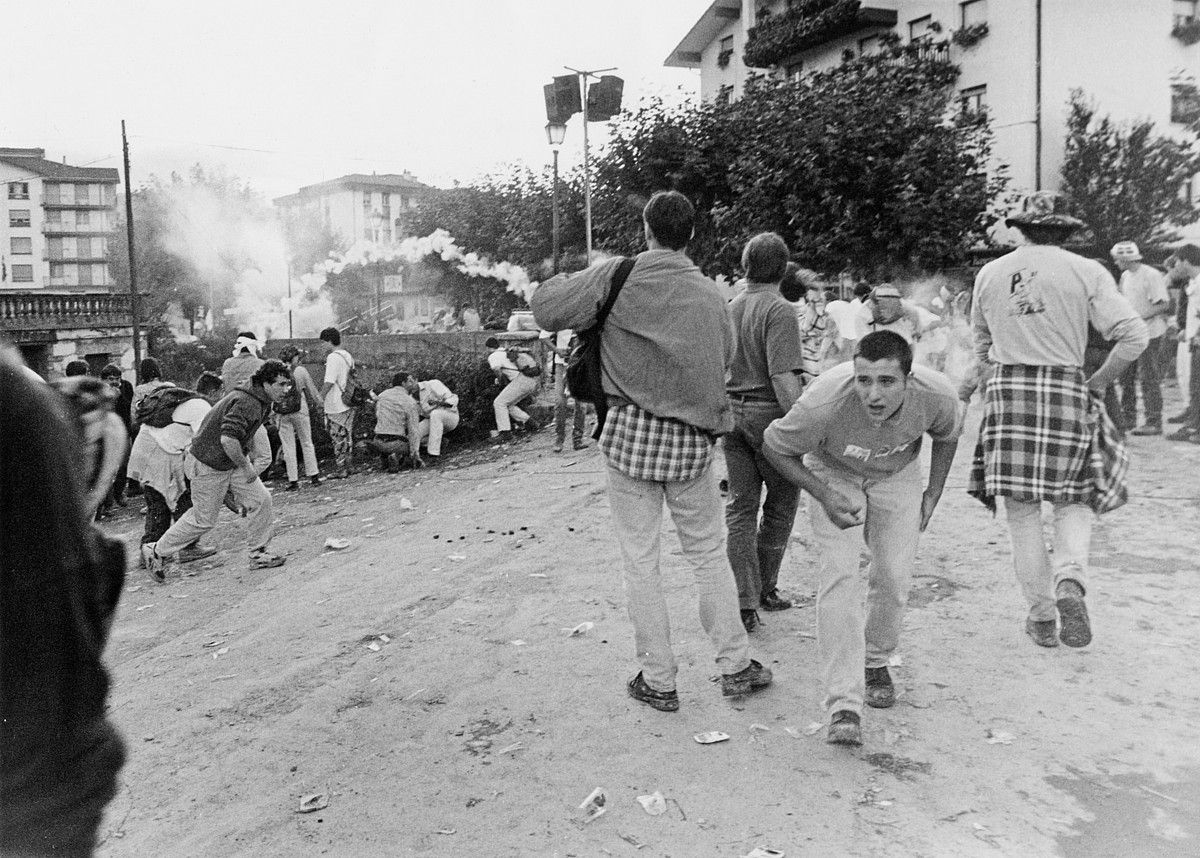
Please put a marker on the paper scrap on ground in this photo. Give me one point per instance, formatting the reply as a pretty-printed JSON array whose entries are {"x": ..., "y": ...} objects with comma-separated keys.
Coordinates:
[
  {"x": 763, "y": 852},
  {"x": 374, "y": 646},
  {"x": 406, "y": 504},
  {"x": 654, "y": 804},
  {"x": 582, "y": 628},
  {"x": 336, "y": 543},
  {"x": 999, "y": 737},
  {"x": 711, "y": 737},
  {"x": 593, "y": 806},
  {"x": 316, "y": 801},
  {"x": 759, "y": 728}
]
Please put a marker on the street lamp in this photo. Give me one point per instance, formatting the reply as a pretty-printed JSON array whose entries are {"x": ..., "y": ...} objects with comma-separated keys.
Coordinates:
[{"x": 555, "y": 132}]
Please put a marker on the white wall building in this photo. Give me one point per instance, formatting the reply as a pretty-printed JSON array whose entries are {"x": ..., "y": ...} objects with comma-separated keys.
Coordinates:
[
  {"x": 1122, "y": 53},
  {"x": 359, "y": 206}
]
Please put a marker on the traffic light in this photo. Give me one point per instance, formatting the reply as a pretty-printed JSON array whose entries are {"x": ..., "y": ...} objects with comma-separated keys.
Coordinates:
[
  {"x": 562, "y": 98},
  {"x": 604, "y": 98}
]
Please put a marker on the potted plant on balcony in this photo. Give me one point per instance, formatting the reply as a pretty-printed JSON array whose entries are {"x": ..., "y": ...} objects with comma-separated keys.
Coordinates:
[
  {"x": 803, "y": 25},
  {"x": 1187, "y": 31},
  {"x": 724, "y": 57},
  {"x": 970, "y": 35}
]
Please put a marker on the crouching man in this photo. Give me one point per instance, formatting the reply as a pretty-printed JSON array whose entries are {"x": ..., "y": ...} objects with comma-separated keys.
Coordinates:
[
  {"x": 859, "y": 427},
  {"x": 397, "y": 425},
  {"x": 219, "y": 464}
]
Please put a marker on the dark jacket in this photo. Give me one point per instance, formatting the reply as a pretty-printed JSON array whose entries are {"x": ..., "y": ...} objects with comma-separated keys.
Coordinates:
[
  {"x": 59, "y": 585},
  {"x": 238, "y": 415}
]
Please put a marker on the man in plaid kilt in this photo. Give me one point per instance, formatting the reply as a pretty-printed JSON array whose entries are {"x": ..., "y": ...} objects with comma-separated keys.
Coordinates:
[
  {"x": 1045, "y": 434},
  {"x": 664, "y": 350}
]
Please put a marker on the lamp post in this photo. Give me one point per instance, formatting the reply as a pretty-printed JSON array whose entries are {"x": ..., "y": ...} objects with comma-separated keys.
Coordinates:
[{"x": 555, "y": 132}]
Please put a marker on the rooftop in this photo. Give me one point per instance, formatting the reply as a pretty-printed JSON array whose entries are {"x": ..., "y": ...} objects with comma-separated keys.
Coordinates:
[
  {"x": 34, "y": 160},
  {"x": 373, "y": 182},
  {"x": 715, "y": 18}
]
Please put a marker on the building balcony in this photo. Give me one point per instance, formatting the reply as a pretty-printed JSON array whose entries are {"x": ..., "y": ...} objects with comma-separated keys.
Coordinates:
[
  {"x": 72, "y": 204},
  {"x": 88, "y": 259},
  {"x": 49, "y": 228},
  {"x": 810, "y": 24},
  {"x": 38, "y": 310}
]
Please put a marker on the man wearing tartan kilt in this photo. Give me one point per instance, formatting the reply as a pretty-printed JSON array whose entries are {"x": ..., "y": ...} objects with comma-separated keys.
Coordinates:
[
  {"x": 664, "y": 350},
  {"x": 1045, "y": 434}
]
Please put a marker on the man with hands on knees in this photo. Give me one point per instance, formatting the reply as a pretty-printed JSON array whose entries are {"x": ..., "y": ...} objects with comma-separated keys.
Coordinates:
[{"x": 853, "y": 442}]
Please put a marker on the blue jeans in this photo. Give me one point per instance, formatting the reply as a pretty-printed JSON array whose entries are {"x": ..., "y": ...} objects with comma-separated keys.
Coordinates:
[{"x": 756, "y": 546}]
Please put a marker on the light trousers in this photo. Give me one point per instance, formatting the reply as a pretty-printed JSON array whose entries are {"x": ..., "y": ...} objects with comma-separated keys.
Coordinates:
[
  {"x": 505, "y": 405},
  {"x": 850, "y": 638},
  {"x": 209, "y": 487},
  {"x": 291, "y": 427},
  {"x": 1036, "y": 574},
  {"x": 439, "y": 422},
  {"x": 695, "y": 507}
]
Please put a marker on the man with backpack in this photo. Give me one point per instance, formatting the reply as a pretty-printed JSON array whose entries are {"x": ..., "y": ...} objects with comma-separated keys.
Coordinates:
[
  {"x": 339, "y": 389},
  {"x": 295, "y": 422},
  {"x": 219, "y": 464},
  {"x": 664, "y": 348},
  {"x": 170, "y": 418}
]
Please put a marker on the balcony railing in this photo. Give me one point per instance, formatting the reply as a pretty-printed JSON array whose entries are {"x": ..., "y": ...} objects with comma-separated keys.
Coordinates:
[
  {"x": 35, "y": 310},
  {"x": 809, "y": 24},
  {"x": 65, "y": 203},
  {"x": 50, "y": 228}
]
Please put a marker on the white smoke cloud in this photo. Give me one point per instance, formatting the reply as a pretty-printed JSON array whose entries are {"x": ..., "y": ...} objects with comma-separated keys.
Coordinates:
[{"x": 438, "y": 243}]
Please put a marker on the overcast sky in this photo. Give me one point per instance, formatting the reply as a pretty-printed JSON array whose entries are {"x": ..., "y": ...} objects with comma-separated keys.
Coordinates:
[{"x": 447, "y": 90}]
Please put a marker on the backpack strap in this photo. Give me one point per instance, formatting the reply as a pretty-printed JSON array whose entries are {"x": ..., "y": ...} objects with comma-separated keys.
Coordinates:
[{"x": 620, "y": 275}]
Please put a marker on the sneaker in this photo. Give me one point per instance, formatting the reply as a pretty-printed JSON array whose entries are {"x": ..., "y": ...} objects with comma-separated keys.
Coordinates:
[
  {"x": 531, "y": 425},
  {"x": 187, "y": 555},
  {"x": 747, "y": 680},
  {"x": 881, "y": 693},
  {"x": 558, "y": 446},
  {"x": 316, "y": 479},
  {"x": 1147, "y": 429},
  {"x": 1074, "y": 628},
  {"x": 663, "y": 701},
  {"x": 1042, "y": 632},
  {"x": 1181, "y": 417},
  {"x": 845, "y": 728},
  {"x": 1185, "y": 433},
  {"x": 580, "y": 445},
  {"x": 263, "y": 559},
  {"x": 153, "y": 564},
  {"x": 749, "y": 619},
  {"x": 292, "y": 486},
  {"x": 772, "y": 601},
  {"x": 503, "y": 436}
]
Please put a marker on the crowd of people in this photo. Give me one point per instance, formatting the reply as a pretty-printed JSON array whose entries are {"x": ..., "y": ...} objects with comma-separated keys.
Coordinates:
[{"x": 805, "y": 393}]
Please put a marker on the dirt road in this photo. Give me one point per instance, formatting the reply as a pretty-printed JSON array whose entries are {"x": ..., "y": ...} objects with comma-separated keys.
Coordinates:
[{"x": 424, "y": 679}]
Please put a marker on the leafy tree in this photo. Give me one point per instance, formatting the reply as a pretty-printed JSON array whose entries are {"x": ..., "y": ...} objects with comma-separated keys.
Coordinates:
[
  {"x": 866, "y": 166},
  {"x": 1124, "y": 179}
]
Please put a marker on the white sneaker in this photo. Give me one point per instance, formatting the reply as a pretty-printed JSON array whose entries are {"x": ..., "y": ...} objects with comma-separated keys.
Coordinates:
[{"x": 153, "y": 564}]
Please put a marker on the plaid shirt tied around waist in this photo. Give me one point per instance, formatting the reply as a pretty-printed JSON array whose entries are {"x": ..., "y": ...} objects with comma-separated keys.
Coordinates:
[{"x": 657, "y": 449}]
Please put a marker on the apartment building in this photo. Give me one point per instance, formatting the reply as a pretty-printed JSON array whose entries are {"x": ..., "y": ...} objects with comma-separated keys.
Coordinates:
[
  {"x": 56, "y": 290},
  {"x": 359, "y": 206},
  {"x": 1019, "y": 58}
]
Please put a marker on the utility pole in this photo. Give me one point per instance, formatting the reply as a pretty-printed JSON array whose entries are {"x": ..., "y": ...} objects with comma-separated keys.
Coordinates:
[
  {"x": 135, "y": 307},
  {"x": 289, "y": 284}
]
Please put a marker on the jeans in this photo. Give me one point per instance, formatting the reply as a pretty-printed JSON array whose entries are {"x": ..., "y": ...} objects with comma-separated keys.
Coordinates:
[
  {"x": 159, "y": 516},
  {"x": 562, "y": 404},
  {"x": 291, "y": 427},
  {"x": 848, "y": 641},
  {"x": 341, "y": 431},
  {"x": 1072, "y": 537},
  {"x": 1194, "y": 387},
  {"x": 209, "y": 487},
  {"x": 756, "y": 548},
  {"x": 439, "y": 421},
  {"x": 695, "y": 507},
  {"x": 1147, "y": 369},
  {"x": 505, "y": 405}
]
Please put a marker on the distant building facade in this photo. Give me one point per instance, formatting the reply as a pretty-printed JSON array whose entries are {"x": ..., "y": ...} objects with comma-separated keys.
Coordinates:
[
  {"x": 1020, "y": 58},
  {"x": 359, "y": 207},
  {"x": 57, "y": 298}
]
